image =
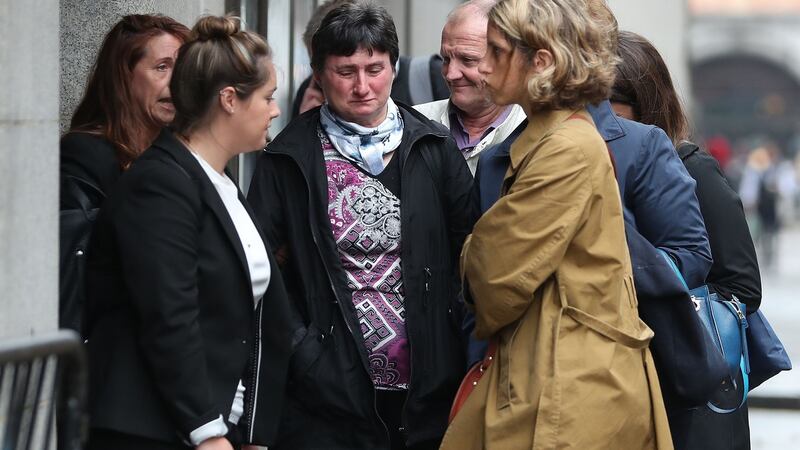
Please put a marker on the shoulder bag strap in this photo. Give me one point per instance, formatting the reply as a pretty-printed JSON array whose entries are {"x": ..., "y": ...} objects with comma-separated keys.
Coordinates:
[{"x": 686, "y": 149}]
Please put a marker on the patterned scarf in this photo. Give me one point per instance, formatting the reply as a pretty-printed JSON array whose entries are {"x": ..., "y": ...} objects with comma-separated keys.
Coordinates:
[{"x": 364, "y": 146}]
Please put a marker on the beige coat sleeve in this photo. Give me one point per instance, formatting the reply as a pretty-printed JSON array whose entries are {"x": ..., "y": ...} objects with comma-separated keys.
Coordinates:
[{"x": 520, "y": 241}]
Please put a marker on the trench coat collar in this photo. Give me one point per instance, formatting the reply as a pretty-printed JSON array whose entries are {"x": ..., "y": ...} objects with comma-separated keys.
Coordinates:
[
  {"x": 539, "y": 125},
  {"x": 168, "y": 142}
]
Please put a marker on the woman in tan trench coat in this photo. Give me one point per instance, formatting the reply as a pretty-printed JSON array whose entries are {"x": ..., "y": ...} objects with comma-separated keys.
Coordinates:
[{"x": 547, "y": 266}]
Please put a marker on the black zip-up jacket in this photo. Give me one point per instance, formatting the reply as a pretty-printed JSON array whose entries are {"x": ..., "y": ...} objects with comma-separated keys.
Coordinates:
[{"x": 331, "y": 400}]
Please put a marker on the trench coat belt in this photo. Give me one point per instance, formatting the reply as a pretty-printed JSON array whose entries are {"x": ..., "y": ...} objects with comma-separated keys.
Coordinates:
[{"x": 611, "y": 332}]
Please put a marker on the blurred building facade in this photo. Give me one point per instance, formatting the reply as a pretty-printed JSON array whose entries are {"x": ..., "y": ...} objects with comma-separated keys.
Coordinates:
[{"x": 746, "y": 70}]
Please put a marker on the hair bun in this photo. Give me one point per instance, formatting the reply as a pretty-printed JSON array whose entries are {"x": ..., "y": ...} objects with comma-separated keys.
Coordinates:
[{"x": 216, "y": 27}]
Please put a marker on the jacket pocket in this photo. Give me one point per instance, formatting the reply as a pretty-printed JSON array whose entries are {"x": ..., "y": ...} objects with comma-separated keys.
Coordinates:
[
  {"x": 306, "y": 354},
  {"x": 505, "y": 387},
  {"x": 327, "y": 378},
  {"x": 437, "y": 348}
]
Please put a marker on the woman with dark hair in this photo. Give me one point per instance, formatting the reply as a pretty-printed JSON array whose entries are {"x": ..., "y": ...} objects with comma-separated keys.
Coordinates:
[
  {"x": 547, "y": 265},
  {"x": 643, "y": 91},
  {"x": 127, "y": 99},
  {"x": 186, "y": 318},
  {"x": 368, "y": 204},
  {"x": 645, "y": 94},
  {"x": 126, "y": 103}
]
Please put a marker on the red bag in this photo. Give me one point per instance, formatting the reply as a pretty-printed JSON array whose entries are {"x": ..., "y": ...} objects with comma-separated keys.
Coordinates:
[{"x": 471, "y": 380}]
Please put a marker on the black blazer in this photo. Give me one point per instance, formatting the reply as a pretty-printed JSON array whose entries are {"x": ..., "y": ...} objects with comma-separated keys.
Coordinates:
[{"x": 170, "y": 321}]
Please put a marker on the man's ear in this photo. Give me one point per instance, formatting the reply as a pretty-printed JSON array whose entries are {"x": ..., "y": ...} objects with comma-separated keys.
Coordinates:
[
  {"x": 315, "y": 78},
  {"x": 227, "y": 99}
]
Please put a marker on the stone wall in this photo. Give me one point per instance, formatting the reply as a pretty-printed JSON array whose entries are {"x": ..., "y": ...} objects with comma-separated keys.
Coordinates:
[{"x": 28, "y": 167}]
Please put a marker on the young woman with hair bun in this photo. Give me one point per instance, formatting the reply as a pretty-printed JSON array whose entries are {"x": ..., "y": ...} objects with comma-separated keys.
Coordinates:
[{"x": 185, "y": 316}]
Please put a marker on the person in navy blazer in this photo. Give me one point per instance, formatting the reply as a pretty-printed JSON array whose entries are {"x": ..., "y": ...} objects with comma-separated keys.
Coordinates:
[{"x": 186, "y": 313}]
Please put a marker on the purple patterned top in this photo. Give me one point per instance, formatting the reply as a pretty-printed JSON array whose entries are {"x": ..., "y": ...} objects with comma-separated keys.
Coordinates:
[{"x": 365, "y": 218}]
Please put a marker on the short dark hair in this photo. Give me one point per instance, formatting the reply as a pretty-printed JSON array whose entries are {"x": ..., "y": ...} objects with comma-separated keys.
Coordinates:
[
  {"x": 351, "y": 26},
  {"x": 644, "y": 83},
  {"x": 316, "y": 18},
  {"x": 219, "y": 53}
]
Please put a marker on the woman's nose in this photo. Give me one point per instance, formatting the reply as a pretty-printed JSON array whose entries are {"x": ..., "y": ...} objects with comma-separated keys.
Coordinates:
[{"x": 360, "y": 87}]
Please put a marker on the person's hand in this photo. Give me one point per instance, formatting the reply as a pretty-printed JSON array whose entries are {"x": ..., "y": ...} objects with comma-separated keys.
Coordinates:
[
  {"x": 216, "y": 443},
  {"x": 312, "y": 97}
]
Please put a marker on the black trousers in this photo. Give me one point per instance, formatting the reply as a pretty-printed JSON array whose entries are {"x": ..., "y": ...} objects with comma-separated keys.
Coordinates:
[
  {"x": 390, "y": 407},
  {"x": 100, "y": 439}
]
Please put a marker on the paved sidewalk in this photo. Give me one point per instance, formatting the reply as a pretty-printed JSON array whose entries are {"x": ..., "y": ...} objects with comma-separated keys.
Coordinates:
[
  {"x": 780, "y": 429},
  {"x": 774, "y": 429},
  {"x": 781, "y": 305}
]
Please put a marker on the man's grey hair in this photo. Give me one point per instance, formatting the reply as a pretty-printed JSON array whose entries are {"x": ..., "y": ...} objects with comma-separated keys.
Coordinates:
[{"x": 467, "y": 9}]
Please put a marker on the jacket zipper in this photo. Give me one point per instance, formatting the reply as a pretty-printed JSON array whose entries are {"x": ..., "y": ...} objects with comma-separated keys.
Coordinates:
[
  {"x": 426, "y": 296},
  {"x": 403, "y": 420},
  {"x": 256, "y": 374}
]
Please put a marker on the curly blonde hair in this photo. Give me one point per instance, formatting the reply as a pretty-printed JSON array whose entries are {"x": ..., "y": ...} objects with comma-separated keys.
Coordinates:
[{"x": 582, "y": 37}]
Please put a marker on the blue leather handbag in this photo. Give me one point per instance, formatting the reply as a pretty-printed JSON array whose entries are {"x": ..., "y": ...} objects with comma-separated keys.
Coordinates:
[
  {"x": 726, "y": 323},
  {"x": 768, "y": 357}
]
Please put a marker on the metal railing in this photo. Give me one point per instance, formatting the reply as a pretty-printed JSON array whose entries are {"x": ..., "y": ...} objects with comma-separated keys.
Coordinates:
[{"x": 43, "y": 386}]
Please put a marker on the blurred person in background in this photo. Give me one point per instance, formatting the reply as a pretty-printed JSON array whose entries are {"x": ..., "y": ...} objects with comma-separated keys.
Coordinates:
[
  {"x": 367, "y": 203},
  {"x": 547, "y": 265},
  {"x": 643, "y": 80},
  {"x": 474, "y": 121},
  {"x": 186, "y": 318},
  {"x": 768, "y": 183},
  {"x": 417, "y": 80},
  {"x": 126, "y": 104},
  {"x": 720, "y": 148}
]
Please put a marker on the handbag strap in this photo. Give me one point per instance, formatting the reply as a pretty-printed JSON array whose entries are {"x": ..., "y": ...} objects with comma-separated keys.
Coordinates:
[
  {"x": 685, "y": 149},
  {"x": 745, "y": 388},
  {"x": 86, "y": 193}
]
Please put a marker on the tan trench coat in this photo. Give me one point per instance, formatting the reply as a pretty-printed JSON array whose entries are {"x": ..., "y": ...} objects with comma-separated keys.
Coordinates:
[{"x": 549, "y": 271}]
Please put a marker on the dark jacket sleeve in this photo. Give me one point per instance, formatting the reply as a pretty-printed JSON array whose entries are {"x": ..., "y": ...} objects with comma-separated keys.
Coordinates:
[
  {"x": 266, "y": 199},
  {"x": 735, "y": 269},
  {"x": 461, "y": 203},
  {"x": 666, "y": 210},
  {"x": 157, "y": 232}
]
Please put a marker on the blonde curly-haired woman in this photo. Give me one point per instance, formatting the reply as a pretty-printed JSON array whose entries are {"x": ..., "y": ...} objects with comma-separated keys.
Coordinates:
[{"x": 547, "y": 267}]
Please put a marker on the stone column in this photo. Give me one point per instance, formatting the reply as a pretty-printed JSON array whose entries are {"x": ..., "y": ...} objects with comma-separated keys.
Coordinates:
[{"x": 28, "y": 167}]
